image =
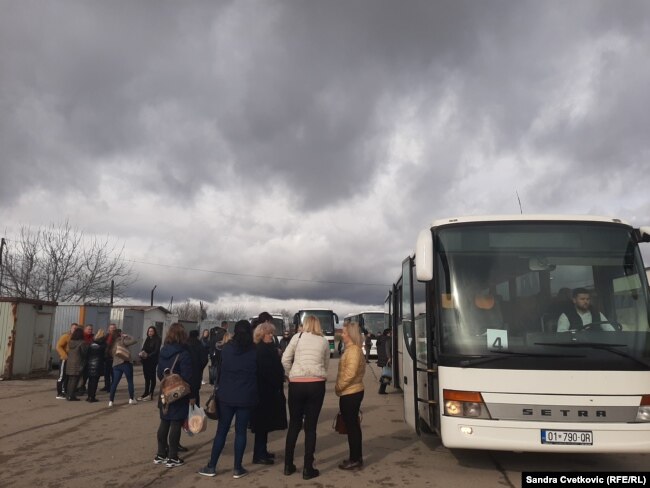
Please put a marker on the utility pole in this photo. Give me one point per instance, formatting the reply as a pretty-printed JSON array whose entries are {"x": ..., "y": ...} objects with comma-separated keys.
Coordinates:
[
  {"x": 152, "y": 290},
  {"x": 3, "y": 243}
]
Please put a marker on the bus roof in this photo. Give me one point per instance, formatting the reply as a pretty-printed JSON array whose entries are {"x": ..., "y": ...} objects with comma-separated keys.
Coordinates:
[
  {"x": 524, "y": 217},
  {"x": 365, "y": 311}
]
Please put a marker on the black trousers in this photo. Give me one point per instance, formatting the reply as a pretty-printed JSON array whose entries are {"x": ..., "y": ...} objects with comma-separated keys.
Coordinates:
[
  {"x": 149, "y": 372},
  {"x": 62, "y": 380},
  {"x": 169, "y": 437},
  {"x": 93, "y": 381},
  {"x": 305, "y": 401},
  {"x": 350, "y": 406},
  {"x": 108, "y": 373}
]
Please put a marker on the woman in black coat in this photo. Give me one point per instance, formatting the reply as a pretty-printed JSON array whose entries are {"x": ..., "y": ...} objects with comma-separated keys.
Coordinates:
[
  {"x": 270, "y": 414},
  {"x": 149, "y": 356},
  {"x": 199, "y": 356},
  {"x": 95, "y": 363},
  {"x": 174, "y": 355}
]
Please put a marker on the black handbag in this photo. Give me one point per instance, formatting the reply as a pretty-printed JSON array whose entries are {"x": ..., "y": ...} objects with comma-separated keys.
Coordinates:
[{"x": 212, "y": 406}]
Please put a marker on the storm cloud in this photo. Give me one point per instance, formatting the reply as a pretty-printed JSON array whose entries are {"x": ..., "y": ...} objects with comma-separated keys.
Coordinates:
[{"x": 285, "y": 152}]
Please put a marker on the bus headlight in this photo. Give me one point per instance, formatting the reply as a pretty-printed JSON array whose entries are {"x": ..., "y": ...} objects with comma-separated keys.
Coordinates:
[
  {"x": 643, "y": 414},
  {"x": 465, "y": 404}
]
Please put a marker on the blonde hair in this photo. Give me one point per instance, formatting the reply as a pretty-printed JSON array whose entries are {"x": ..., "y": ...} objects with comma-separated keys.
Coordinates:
[
  {"x": 261, "y": 330},
  {"x": 354, "y": 331},
  {"x": 100, "y": 333},
  {"x": 311, "y": 324}
]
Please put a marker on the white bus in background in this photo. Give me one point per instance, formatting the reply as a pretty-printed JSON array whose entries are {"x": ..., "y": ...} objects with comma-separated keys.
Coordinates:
[
  {"x": 328, "y": 320},
  {"x": 479, "y": 358},
  {"x": 371, "y": 322},
  {"x": 279, "y": 323}
]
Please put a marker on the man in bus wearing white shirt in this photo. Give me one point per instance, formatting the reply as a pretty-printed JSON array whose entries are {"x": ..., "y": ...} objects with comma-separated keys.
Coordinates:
[{"x": 582, "y": 314}]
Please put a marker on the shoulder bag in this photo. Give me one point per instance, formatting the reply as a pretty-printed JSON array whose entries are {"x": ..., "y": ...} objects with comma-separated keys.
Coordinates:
[
  {"x": 122, "y": 352},
  {"x": 172, "y": 387}
]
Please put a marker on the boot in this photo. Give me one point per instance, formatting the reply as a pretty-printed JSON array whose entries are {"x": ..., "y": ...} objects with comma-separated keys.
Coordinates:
[{"x": 309, "y": 473}]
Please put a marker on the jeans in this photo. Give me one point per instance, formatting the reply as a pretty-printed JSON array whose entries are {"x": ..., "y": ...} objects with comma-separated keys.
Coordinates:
[
  {"x": 119, "y": 370},
  {"x": 169, "y": 429},
  {"x": 242, "y": 417},
  {"x": 305, "y": 400},
  {"x": 350, "y": 406}
]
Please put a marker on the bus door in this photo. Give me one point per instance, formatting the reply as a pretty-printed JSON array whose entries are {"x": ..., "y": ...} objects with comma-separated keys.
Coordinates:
[
  {"x": 426, "y": 367},
  {"x": 406, "y": 348}
]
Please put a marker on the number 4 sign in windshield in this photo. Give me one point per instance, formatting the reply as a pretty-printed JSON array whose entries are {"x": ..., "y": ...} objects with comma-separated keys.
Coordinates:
[{"x": 497, "y": 339}]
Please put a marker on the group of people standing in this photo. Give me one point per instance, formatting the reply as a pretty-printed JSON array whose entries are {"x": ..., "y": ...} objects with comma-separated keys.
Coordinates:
[
  {"x": 248, "y": 371},
  {"x": 250, "y": 390},
  {"x": 86, "y": 356}
]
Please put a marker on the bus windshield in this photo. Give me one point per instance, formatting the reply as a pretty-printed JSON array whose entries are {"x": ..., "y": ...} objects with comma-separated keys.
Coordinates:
[
  {"x": 326, "y": 318},
  {"x": 543, "y": 296},
  {"x": 374, "y": 323}
]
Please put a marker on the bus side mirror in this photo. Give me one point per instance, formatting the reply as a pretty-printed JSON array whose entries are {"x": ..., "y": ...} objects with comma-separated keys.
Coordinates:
[
  {"x": 336, "y": 318},
  {"x": 424, "y": 256}
]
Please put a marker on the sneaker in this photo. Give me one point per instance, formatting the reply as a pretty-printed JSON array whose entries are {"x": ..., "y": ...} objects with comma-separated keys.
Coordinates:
[
  {"x": 145, "y": 399},
  {"x": 140, "y": 398},
  {"x": 207, "y": 471},
  {"x": 110, "y": 404},
  {"x": 239, "y": 473},
  {"x": 132, "y": 401},
  {"x": 159, "y": 459},
  {"x": 173, "y": 463},
  {"x": 60, "y": 397}
]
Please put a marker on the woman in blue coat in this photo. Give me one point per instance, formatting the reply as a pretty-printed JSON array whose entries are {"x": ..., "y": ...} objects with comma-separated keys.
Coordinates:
[
  {"x": 169, "y": 431},
  {"x": 237, "y": 396}
]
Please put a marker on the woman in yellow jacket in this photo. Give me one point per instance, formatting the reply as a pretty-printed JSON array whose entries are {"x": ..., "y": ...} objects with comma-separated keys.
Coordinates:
[{"x": 349, "y": 387}]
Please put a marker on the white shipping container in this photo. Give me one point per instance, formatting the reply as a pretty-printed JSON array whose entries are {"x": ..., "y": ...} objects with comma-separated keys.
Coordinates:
[{"x": 25, "y": 335}]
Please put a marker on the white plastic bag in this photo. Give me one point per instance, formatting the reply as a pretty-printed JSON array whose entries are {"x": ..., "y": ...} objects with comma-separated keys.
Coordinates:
[{"x": 197, "y": 422}]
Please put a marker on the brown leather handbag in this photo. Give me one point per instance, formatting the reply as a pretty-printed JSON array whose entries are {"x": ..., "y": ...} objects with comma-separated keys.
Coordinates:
[
  {"x": 172, "y": 387},
  {"x": 339, "y": 425}
]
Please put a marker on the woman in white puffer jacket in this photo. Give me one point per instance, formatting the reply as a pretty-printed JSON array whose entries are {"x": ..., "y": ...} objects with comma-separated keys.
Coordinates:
[{"x": 305, "y": 363}]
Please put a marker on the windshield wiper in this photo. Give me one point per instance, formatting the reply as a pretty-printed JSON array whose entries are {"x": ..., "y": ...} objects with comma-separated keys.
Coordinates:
[
  {"x": 597, "y": 345},
  {"x": 508, "y": 355}
]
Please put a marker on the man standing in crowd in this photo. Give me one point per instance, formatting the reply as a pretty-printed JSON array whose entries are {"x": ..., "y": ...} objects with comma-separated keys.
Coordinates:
[{"x": 62, "y": 350}]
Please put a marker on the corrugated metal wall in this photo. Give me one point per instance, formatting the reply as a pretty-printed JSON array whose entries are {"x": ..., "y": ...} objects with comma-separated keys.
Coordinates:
[{"x": 6, "y": 337}]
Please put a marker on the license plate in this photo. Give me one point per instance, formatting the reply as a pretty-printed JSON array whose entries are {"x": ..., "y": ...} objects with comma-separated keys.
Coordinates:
[{"x": 568, "y": 437}]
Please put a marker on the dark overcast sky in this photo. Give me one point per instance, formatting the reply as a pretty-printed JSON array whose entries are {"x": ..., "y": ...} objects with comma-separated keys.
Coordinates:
[{"x": 313, "y": 140}]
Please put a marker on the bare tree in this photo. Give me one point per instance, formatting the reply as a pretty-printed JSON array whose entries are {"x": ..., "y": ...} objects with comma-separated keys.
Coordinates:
[
  {"x": 60, "y": 263},
  {"x": 191, "y": 311},
  {"x": 235, "y": 312}
]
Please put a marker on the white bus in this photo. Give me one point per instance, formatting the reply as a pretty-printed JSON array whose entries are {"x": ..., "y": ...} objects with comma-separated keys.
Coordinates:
[
  {"x": 371, "y": 322},
  {"x": 479, "y": 358},
  {"x": 328, "y": 320}
]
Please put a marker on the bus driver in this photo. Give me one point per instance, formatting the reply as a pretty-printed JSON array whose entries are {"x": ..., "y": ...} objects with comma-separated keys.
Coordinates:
[{"x": 582, "y": 314}]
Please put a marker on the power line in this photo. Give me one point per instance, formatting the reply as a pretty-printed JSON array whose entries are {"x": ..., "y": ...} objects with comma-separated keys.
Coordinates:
[{"x": 246, "y": 275}]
